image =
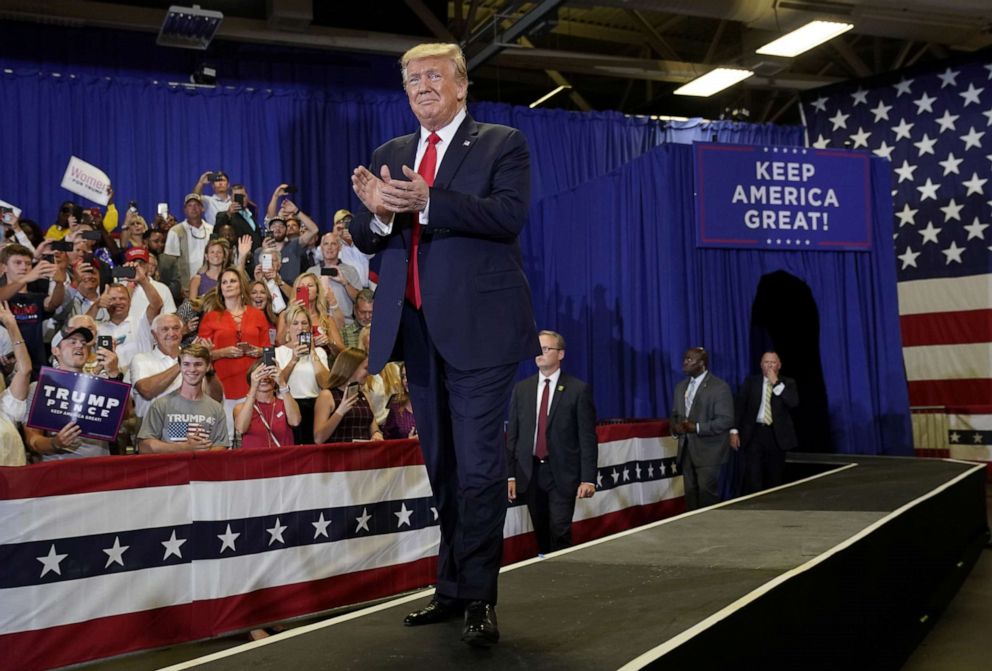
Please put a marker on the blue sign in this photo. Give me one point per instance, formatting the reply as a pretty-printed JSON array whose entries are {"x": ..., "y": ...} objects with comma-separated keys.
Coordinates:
[
  {"x": 95, "y": 404},
  {"x": 782, "y": 198}
]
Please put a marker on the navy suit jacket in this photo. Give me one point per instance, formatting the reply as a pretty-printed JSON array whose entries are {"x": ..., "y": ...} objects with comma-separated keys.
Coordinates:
[
  {"x": 475, "y": 297},
  {"x": 749, "y": 400},
  {"x": 572, "y": 447}
]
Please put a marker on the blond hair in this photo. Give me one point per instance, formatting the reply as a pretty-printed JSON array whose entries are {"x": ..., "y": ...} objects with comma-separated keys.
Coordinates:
[{"x": 437, "y": 50}]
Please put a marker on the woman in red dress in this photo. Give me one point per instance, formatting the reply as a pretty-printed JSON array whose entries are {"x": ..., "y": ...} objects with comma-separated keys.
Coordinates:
[{"x": 236, "y": 332}]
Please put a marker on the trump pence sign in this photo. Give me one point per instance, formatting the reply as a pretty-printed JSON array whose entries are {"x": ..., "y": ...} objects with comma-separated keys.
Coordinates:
[
  {"x": 782, "y": 198},
  {"x": 95, "y": 404}
]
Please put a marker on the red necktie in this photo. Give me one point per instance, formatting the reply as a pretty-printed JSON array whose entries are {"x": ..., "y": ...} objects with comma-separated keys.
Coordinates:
[
  {"x": 541, "y": 444},
  {"x": 426, "y": 169}
]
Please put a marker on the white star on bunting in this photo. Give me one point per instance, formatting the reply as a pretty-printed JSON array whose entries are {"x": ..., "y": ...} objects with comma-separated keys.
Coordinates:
[
  {"x": 51, "y": 562},
  {"x": 363, "y": 521},
  {"x": 320, "y": 527},
  {"x": 275, "y": 532},
  {"x": 403, "y": 516},
  {"x": 227, "y": 539},
  {"x": 172, "y": 546},
  {"x": 115, "y": 554}
]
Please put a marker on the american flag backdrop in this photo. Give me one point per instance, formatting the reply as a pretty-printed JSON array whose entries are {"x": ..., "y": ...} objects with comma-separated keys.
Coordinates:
[
  {"x": 935, "y": 126},
  {"x": 113, "y": 554}
]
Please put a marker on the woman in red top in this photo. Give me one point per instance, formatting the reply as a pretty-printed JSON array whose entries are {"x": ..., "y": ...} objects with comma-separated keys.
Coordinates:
[
  {"x": 264, "y": 419},
  {"x": 236, "y": 332}
]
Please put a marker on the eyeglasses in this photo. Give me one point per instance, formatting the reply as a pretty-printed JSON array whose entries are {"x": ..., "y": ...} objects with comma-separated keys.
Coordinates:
[
  {"x": 433, "y": 77},
  {"x": 551, "y": 349}
]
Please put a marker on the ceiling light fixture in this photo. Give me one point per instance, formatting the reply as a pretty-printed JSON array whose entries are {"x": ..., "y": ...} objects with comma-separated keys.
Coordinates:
[
  {"x": 713, "y": 82},
  {"x": 548, "y": 96},
  {"x": 188, "y": 27},
  {"x": 813, "y": 34}
]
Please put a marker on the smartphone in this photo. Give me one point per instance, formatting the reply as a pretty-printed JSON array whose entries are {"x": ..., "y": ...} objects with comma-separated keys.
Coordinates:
[
  {"x": 48, "y": 257},
  {"x": 290, "y": 189},
  {"x": 88, "y": 258},
  {"x": 92, "y": 235},
  {"x": 105, "y": 342},
  {"x": 212, "y": 176},
  {"x": 351, "y": 390},
  {"x": 239, "y": 198},
  {"x": 61, "y": 246},
  {"x": 163, "y": 210},
  {"x": 124, "y": 272},
  {"x": 303, "y": 295},
  {"x": 132, "y": 206},
  {"x": 332, "y": 272},
  {"x": 266, "y": 260},
  {"x": 268, "y": 356},
  {"x": 306, "y": 339}
]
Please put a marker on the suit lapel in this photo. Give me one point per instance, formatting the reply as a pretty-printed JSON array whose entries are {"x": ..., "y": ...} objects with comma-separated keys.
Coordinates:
[{"x": 456, "y": 152}]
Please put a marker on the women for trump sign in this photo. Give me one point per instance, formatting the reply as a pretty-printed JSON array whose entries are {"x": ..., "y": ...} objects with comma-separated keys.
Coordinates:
[{"x": 782, "y": 198}]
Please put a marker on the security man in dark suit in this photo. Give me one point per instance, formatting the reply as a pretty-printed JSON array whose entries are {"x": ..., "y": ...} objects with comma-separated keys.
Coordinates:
[
  {"x": 552, "y": 446},
  {"x": 765, "y": 431}
]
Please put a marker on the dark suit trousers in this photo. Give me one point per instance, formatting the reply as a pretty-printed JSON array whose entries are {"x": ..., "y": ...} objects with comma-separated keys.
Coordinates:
[
  {"x": 550, "y": 512},
  {"x": 764, "y": 461},
  {"x": 459, "y": 417},
  {"x": 701, "y": 483}
]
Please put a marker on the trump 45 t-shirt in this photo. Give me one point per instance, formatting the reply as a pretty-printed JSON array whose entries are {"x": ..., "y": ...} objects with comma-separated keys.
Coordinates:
[{"x": 169, "y": 418}]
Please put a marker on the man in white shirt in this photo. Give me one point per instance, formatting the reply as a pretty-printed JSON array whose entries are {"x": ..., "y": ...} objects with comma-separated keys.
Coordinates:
[
  {"x": 131, "y": 334},
  {"x": 186, "y": 244},
  {"x": 221, "y": 198},
  {"x": 156, "y": 373},
  {"x": 139, "y": 302}
]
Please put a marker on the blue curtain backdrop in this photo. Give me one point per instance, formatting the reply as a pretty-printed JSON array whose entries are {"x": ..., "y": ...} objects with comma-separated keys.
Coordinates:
[{"x": 632, "y": 295}]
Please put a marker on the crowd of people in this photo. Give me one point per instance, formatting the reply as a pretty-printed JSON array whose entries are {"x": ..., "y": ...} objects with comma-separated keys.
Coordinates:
[{"x": 236, "y": 326}]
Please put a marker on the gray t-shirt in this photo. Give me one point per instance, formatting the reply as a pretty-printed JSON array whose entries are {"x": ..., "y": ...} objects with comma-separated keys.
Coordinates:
[
  {"x": 291, "y": 260},
  {"x": 168, "y": 419}
]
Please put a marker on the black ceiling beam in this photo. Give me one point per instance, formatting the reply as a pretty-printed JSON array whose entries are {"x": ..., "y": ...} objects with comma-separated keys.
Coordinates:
[{"x": 517, "y": 29}]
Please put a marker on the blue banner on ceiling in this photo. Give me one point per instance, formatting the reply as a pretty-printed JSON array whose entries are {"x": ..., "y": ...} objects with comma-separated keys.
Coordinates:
[{"x": 782, "y": 198}]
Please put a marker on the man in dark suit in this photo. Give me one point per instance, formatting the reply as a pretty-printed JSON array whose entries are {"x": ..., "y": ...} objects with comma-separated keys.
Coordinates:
[
  {"x": 765, "y": 431},
  {"x": 244, "y": 220},
  {"x": 453, "y": 304},
  {"x": 701, "y": 421},
  {"x": 552, "y": 462}
]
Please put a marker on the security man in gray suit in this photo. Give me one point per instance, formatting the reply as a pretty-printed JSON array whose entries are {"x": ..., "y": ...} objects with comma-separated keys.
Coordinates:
[
  {"x": 701, "y": 422},
  {"x": 551, "y": 462}
]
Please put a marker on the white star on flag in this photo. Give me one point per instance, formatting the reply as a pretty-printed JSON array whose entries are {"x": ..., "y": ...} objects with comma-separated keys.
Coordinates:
[
  {"x": 952, "y": 210},
  {"x": 928, "y": 190},
  {"x": 903, "y": 87},
  {"x": 650, "y": 470},
  {"x": 637, "y": 471},
  {"x": 925, "y": 145},
  {"x": 228, "y": 538},
  {"x": 820, "y": 104},
  {"x": 403, "y": 516},
  {"x": 976, "y": 229},
  {"x": 948, "y": 78},
  {"x": 906, "y": 215},
  {"x": 884, "y": 151},
  {"x": 930, "y": 233},
  {"x": 951, "y": 164},
  {"x": 977, "y": 439},
  {"x": 971, "y": 95},
  {"x": 661, "y": 468},
  {"x": 972, "y": 139},
  {"x": 905, "y": 171},
  {"x": 275, "y": 532},
  {"x": 860, "y": 97},
  {"x": 363, "y": 521},
  {"x": 881, "y": 111},
  {"x": 974, "y": 184},
  {"x": 626, "y": 474},
  {"x": 320, "y": 526},
  {"x": 599, "y": 480},
  {"x": 908, "y": 258},
  {"x": 616, "y": 476},
  {"x": 115, "y": 554},
  {"x": 946, "y": 122},
  {"x": 902, "y": 130},
  {"x": 953, "y": 253},
  {"x": 172, "y": 546},
  {"x": 954, "y": 437},
  {"x": 821, "y": 142},
  {"x": 924, "y": 102},
  {"x": 988, "y": 115},
  {"x": 51, "y": 562},
  {"x": 839, "y": 120},
  {"x": 860, "y": 138}
]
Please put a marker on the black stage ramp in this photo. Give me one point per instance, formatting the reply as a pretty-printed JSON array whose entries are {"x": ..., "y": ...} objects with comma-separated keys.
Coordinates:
[{"x": 844, "y": 569}]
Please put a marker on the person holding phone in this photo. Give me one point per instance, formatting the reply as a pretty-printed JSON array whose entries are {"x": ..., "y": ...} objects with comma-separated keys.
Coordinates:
[
  {"x": 217, "y": 202},
  {"x": 303, "y": 367},
  {"x": 241, "y": 215},
  {"x": 342, "y": 414},
  {"x": 236, "y": 332},
  {"x": 308, "y": 292},
  {"x": 13, "y": 400},
  {"x": 261, "y": 298},
  {"x": 337, "y": 277},
  {"x": 269, "y": 414},
  {"x": 33, "y": 293}
]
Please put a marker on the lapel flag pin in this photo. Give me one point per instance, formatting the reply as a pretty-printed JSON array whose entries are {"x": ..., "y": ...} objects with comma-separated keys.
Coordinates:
[{"x": 466, "y": 143}]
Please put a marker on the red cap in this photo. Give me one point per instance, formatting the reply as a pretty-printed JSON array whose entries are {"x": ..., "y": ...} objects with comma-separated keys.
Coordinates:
[{"x": 136, "y": 254}]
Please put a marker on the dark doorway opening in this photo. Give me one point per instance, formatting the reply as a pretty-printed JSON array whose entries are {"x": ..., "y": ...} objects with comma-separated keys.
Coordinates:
[{"x": 784, "y": 318}]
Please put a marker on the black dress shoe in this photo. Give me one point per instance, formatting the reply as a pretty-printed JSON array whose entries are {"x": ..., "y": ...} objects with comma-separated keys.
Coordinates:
[
  {"x": 480, "y": 624},
  {"x": 432, "y": 613}
]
